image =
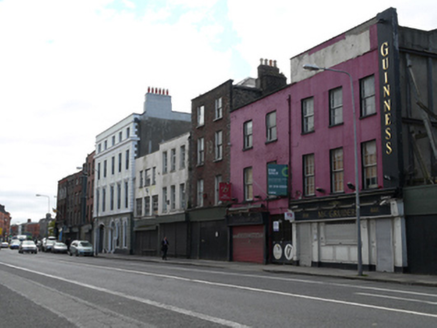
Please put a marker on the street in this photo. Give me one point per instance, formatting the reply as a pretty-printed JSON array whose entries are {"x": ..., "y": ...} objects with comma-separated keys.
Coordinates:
[{"x": 58, "y": 290}]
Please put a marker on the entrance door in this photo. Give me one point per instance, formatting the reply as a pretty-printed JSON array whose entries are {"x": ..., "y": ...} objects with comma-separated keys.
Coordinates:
[
  {"x": 248, "y": 244},
  {"x": 384, "y": 246},
  {"x": 304, "y": 240}
]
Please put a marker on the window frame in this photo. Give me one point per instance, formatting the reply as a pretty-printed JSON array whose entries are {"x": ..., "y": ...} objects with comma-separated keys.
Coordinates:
[
  {"x": 164, "y": 200},
  {"x": 248, "y": 183},
  {"x": 182, "y": 157},
  {"x": 182, "y": 195},
  {"x": 372, "y": 166},
  {"x": 164, "y": 162},
  {"x": 200, "y": 151},
  {"x": 200, "y": 189},
  {"x": 337, "y": 173},
  {"x": 309, "y": 175},
  {"x": 218, "y": 145},
  {"x": 139, "y": 206},
  {"x": 271, "y": 127},
  {"x": 307, "y": 115},
  {"x": 335, "y": 109},
  {"x": 173, "y": 160},
  {"x": 218, "y": 108},
  {"x": 147, "y": 206},
  {"x": 201, "y": 115},
  {"x": 147, "y": 177},
  {"x": 248, "y": 135},
  {"x": 217, "y": 179},
  {"x": 367, "y": 99}
]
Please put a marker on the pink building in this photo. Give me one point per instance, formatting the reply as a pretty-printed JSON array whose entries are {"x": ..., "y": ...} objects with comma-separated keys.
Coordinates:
[
  {"x": 308, "y": 126},
  {"x": 259, "y": 138}
]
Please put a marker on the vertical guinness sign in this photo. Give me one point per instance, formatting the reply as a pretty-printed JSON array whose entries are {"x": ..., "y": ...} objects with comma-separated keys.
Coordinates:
[{"x": 389, "y": 102}]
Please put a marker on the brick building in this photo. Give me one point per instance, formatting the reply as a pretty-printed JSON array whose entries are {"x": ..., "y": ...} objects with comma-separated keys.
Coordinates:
[
  {"x": 5, "y": 223},
  {"x": 210, "y": 157}
]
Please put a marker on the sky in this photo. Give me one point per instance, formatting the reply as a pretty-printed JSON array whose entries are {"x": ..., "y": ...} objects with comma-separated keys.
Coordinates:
[{"x": 70, "y": 69}]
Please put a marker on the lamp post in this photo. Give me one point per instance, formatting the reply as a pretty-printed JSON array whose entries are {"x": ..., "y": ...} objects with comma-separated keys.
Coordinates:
[
  {"x": 48, "y": 197},
  {"x": 357, "y": 186}
]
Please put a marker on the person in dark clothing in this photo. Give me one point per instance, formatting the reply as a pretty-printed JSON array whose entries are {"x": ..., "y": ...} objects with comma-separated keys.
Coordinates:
[{"x": 164, "y": 248}]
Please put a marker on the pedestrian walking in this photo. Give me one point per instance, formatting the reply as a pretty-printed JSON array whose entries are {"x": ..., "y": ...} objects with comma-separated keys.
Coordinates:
[{"x": 164, "y": 248}]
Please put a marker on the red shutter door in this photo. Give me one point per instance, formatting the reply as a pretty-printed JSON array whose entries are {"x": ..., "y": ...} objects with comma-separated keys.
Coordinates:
[{"x": 248, "y": 244}]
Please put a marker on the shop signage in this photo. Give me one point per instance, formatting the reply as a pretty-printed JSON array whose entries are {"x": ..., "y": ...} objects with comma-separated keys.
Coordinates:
[
  {"x": 225, "y": 192},
  {"x": 277, "y": 179}
]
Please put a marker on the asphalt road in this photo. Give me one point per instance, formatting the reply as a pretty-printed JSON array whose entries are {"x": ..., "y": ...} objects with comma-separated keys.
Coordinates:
[{"x": 55, "y": 290}]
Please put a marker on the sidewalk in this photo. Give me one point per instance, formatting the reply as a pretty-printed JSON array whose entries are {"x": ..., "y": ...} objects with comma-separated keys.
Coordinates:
[{"x": 401, "y": 278}]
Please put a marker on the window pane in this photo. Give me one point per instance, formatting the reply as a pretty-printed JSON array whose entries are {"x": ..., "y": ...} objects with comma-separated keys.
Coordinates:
[
  {"x": 248, "y": 134},
  {"x": 337, "y": 170},
  {"x": 367, "y": 92},
  {"x": 336, "y": 106},
  {"x": 200, "y": 115},
  {"x": 271, "y": 126},
  {"x": 248, "y": 190},
  {"x": 308, "y": 115},
  {"x": 370, "y": 165},
  {"x": 309, "y": 175}
]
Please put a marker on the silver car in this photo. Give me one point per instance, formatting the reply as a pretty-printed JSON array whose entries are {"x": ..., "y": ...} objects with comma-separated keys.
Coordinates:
[
  {"x": 59, "y": 247},
  {"x": 27, "y": 246},
  {"x": 81, "y": 247}
]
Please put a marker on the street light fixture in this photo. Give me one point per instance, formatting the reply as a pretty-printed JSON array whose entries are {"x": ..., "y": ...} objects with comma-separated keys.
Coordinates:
[
  {"x": 48, "y": 197},
  {"x": 357, "y": 189}
]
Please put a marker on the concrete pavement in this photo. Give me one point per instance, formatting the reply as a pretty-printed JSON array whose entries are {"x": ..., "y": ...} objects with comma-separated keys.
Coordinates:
[{"x": 401, "y": 278}]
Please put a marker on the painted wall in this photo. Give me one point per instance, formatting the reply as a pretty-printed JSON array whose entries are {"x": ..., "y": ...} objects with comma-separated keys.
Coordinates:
[
  {"x": 325, "y": 137},
  {"x": 261, "y": 153}
]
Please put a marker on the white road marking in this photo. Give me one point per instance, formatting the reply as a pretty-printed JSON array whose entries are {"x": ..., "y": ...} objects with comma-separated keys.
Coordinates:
[
  {"x": 171, "y": 308},
  {"x": 398, "y": 291},
  {"x": 220, "y": 321},
  {"x": 397, "y": 298}
]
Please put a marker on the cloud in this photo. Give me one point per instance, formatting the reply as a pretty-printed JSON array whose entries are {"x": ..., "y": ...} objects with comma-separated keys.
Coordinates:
[{"x": 71, "y": 69}]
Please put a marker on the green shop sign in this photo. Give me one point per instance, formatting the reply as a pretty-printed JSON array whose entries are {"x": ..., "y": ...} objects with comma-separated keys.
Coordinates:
[{"x": 277, "y": 179}]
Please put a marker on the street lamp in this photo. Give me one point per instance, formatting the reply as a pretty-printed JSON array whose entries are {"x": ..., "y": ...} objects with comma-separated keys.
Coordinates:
[
  {"x": 357, "y": 188},
  {"x": 48, "y": 197}
]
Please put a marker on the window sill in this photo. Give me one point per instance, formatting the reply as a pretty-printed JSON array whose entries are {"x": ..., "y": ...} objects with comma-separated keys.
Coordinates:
[
  {"x": 249, "y": 148},
  {"x": 334, "y": 125},
  {"x": 366, "y": 116},
  {"x": 271, "y": 141}
]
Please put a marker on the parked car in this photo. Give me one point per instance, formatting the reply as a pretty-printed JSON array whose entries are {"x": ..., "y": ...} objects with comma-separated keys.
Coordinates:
[
  {"x": 47, "y": 245},
  {"x": 27, "y": 246},
  {"x": 5, "y": 244},
  {"x": 81, "y": 247},
  {"x": 59, "y": 247},
  {"x": 15, "y": 243}
]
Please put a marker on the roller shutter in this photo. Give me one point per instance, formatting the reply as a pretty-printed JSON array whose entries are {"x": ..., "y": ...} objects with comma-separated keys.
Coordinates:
[{"x": 248, "y": 244}]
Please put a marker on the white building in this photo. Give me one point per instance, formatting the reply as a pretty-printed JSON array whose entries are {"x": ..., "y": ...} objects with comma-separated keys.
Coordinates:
[
  {"x": 116, "y": 151},
  {"x": 161, "y": 194},
  {"x": 113, "y": 192},
  {"x": 162, "y": 176}
]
